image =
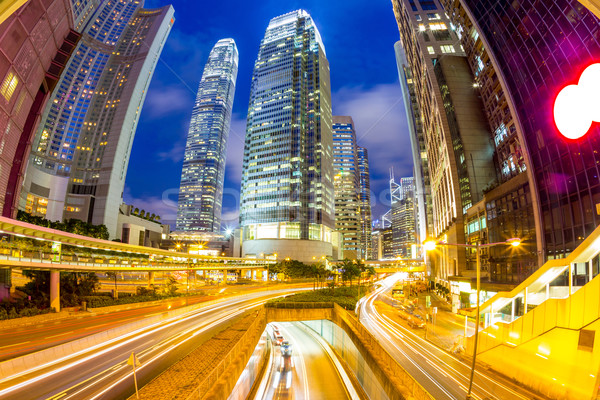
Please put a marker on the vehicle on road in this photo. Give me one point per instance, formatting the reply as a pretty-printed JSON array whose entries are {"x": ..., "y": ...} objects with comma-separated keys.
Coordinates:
[{"x": 286, "y": 348}]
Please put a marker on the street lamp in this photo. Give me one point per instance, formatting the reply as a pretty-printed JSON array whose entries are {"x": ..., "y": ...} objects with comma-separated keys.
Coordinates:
[{"x": 431, "y": 245}]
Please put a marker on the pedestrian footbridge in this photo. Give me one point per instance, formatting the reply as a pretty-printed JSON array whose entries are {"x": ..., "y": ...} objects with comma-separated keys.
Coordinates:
[{"x": 544, "y": 333}]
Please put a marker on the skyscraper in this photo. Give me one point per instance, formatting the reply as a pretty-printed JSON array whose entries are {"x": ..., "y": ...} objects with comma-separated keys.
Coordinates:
[
  {"x": 364, "y": 203},
  {"x": 81, "y": 151},
  {"x": 528, "y": 51},
  {"x": 203, "y": 174},
  {"x": 346, "y": 185},
  {"x": 287, "y": 204},
  {"x": 459, "y": 152},
  {"x": 403, "y": 216}
]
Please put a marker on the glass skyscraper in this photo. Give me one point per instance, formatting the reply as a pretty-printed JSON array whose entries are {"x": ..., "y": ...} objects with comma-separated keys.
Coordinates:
[
  {"x": 202, "y": 177},
  {"x": 346, "y": 185},
  {"x": 364, "y": 200},
  {"x": 80, "y": 153},
  {"x": 287, "y": 203}
]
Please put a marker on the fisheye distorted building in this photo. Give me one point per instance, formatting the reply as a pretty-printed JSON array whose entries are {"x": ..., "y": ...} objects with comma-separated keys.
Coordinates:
[
  {"x": 203, "y": 174},
  {"x": 81, "y": 149},
  {"x": 287, "y": 200}
]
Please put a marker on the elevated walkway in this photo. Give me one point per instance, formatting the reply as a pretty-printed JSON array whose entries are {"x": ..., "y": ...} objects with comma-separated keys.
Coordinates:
[{"x": 543, "y": 333}]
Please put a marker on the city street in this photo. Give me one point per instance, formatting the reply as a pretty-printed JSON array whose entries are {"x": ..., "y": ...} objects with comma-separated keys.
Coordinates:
[
  {"x": 312, "y": 375},
  {"x": 102, "y": 372},
  {"x": 440, "y": 373}
]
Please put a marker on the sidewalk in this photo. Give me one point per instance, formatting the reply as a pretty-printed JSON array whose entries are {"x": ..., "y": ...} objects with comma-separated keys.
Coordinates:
[{"x": 444, "y": 329}]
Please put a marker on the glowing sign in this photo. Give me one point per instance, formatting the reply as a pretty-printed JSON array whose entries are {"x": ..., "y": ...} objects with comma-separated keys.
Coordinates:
[{"x": 577, "y": 106}]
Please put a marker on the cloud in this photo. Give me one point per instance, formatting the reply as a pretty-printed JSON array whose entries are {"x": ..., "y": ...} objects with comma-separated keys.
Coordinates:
[
  {"x": 380, "y": 122},
  {"x": 165, "y": 100},
  {"x": 175, "y": 154},
  {"x": 165, "y": 206},
  {"x": 235, "y": 148}
]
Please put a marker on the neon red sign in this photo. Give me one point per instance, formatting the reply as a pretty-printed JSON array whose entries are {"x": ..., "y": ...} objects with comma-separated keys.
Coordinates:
[{"x": 577, "y": 106}]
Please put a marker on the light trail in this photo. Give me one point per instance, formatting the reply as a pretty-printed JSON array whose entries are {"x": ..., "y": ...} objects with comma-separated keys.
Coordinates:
[{"x": 429, "y": 352}]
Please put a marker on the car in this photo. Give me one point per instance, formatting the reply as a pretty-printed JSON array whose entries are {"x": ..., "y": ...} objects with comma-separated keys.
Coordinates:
[
  {"x": 286, "y": 348},
  {"x": 278, "y": 340}
]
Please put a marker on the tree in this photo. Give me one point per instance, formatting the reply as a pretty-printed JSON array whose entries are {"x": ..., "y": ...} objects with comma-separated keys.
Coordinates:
[
  {"x": 350, "y": 270},
  {"x": 113, "y": 274},
  {"x": 136, "y": 211},
  {"x": 171, "y": 286}
]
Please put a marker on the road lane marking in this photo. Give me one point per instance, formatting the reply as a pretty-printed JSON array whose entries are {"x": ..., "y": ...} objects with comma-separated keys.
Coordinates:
[
  {"x": 60, "y": 334},
  {"x": 16, "y": 344}
]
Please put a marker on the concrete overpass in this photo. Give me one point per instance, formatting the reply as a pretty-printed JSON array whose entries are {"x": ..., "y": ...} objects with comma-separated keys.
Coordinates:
[{"x": 88, "y": 254}]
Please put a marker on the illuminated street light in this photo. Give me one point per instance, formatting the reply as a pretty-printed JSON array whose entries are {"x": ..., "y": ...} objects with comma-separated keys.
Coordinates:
[{"x": 431, "y": 244}]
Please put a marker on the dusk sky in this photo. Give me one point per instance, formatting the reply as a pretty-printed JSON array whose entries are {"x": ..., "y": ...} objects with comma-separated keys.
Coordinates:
[{"x": 359, "y": 37}]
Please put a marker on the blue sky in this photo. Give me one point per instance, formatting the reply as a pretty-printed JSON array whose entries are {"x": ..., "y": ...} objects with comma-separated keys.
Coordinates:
[{"x": 358, "y": 35}]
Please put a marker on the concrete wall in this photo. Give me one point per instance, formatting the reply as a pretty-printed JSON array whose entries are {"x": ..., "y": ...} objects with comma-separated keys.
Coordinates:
[
  {"x": 347, "y": 351},
  {"x": 542, "y": 349}
]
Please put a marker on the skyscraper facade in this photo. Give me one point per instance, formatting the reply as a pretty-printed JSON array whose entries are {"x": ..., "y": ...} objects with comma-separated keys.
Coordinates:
[
  {"x": 346, "y": 185},
  {"x": 287, "y": 200},
  {"x": 403, "y": 221},
  {"x": 203, "y": 174},
  {"x": 459, "y": 152},
  {"x": 81, "y": 150},
  {"x": 36, "y": 41},
  {"x": 533, "y": 49},
  {"x": 364, "y": 201}
]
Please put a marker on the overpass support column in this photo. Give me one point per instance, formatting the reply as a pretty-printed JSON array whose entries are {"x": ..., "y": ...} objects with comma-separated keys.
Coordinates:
[
  {"x": 150, "y": 278},
  {"x": 55, "y": 290},
  {"x": 224, "y": 276}
]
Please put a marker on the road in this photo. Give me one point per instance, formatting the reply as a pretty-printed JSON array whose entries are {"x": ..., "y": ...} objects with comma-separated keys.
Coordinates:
[
  {"x": 16, "y": 342},
  {"x": 311, "y": 374},
  {"x": 101, "y": 372},
  {"x": 443, "y": 375}
]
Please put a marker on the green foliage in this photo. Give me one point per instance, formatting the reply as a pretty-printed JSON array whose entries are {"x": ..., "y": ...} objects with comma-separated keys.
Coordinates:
[
  {"x": 344, "y": 296},
  {"x": 170, "y": 286},
  {"x": 21, "y": 308},
  {"x": 71, "y": 225}
]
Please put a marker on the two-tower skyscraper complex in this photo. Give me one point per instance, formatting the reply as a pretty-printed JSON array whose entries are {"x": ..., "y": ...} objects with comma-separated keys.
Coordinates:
[
  {"x": 203, "y": 174},
  {"x": 287, "y": 199}
]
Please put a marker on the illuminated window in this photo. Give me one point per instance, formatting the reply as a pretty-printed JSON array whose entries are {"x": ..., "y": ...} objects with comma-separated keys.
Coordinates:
[
  {"x": 9, "y": 85},
  {"x": 430, "y": 50},
  {"x": 447, "y": 48},
  {"x": 437, "y": 26}
]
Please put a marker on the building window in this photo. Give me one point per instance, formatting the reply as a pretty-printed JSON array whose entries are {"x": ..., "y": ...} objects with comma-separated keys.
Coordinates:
[
  {"x": 447, "y": 48},
  {"x": 430, "y": 50},
  {"x": 9, "y": 85}
]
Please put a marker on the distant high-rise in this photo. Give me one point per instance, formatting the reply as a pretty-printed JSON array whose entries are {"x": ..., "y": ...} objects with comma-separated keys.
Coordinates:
[
  {"x": 346, "y": 185},
  {"x": 203, "y": 174},
  {"x": 287, "y": 201},
  {"x": 364, "y": 203},
  {"x": 403, "y": 216},
  {"x": 81, "y": 151}
]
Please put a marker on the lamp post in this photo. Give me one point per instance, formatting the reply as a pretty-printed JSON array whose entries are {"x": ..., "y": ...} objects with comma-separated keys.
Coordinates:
[{"x": 431, "y": 245}]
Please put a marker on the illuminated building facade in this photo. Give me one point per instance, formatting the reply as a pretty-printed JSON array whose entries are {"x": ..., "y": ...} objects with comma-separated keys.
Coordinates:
[
  {"x": 81, "y": 149},
  {"x": 203, "y": 174},
  {"x": 287, "y": 199},
  {"x": 364, "y": 201},
  {"x": 531, "y": 50},
  {"x": 36, "y": 41},
  {"x": 346, "y": 185},
  {"x": 453, "y": 126}
]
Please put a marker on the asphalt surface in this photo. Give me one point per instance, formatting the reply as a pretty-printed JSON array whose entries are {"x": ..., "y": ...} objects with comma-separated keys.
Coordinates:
[
  {"x": 313, "y": 374},
  {"x": 442, "y": 374},
  {"x": 19, "y": 341},
  {"x": 102, "y": 372}
]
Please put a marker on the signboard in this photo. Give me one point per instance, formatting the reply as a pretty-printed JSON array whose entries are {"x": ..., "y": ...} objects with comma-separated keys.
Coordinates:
[
  {"x": 56, "y": 249},
  {"x": 434, "y": 310}
]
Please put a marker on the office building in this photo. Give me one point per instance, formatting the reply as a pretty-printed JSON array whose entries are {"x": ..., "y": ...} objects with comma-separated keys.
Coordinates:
[
  {"x": 287, "y": 200},
  {"x": 81, "y": 149},
  {"x": 523, "y": 53},
  {"x": 452, "y": 122},
  {"x": 36, "y": 41},
  {"x": 346, "y": 185},
  {"x": 364, "y": 201},
  {"x": 203, "y": 174}
]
